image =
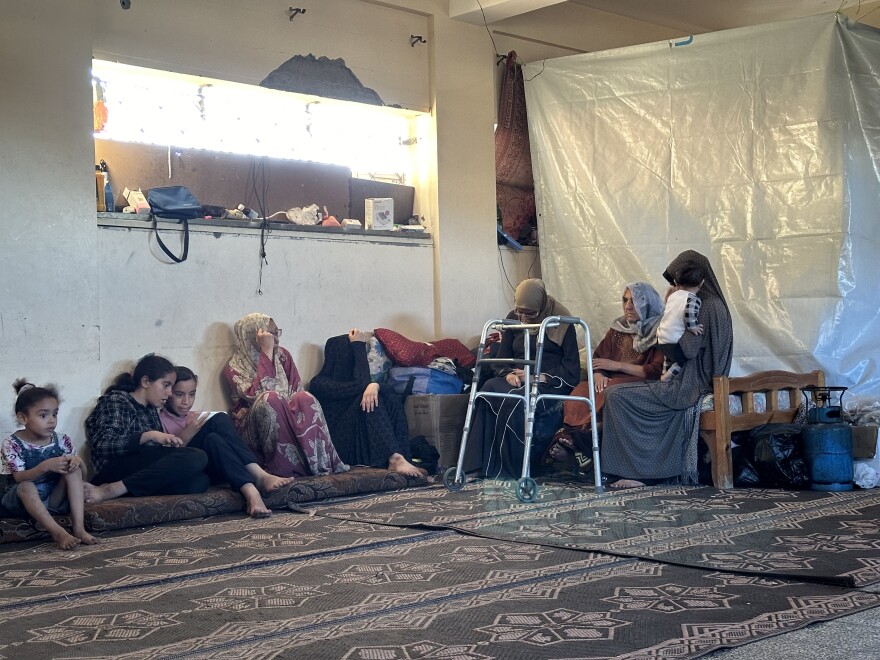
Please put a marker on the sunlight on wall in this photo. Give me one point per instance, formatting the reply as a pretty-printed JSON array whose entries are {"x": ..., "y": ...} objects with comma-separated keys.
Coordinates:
[{"x": 162, "y": 108}]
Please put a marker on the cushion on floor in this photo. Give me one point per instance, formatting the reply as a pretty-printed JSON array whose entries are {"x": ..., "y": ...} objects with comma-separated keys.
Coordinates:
[{"x": 125, "y": 512}]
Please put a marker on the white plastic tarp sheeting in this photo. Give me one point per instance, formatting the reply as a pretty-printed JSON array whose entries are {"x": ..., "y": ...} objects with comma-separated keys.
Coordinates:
[{"x": 758, "y": 147}]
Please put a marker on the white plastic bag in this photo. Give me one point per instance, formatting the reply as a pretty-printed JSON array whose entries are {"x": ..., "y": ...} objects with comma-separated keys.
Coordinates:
[
  {"x": 864, "y": 476},
  {"x": 305, "y": 216}
]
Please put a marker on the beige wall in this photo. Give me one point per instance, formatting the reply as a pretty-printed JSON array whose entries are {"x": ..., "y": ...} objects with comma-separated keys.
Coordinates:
[
  {"x": 79, "y": 301},
  {"x": 49, "y": 306}
]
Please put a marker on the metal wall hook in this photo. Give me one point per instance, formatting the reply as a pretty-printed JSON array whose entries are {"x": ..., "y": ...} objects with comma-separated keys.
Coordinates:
[
  {"x": 416, "y": 39},
  {"x": 294, "y": 11}
]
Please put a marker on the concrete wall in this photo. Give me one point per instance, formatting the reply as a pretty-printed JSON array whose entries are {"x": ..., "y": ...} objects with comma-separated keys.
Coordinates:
[
  {"x": 308, "y": 288},
  {"x": 49, "y": 305},
  {"x": 80, "y": 302}
]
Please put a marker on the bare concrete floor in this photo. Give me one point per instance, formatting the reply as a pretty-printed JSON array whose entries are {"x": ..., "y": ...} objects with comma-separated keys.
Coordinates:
[{"x": 854, "y": 637}]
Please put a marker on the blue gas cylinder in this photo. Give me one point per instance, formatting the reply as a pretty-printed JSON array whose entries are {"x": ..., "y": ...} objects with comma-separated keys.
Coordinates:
[{"x": 828, "y": 452}]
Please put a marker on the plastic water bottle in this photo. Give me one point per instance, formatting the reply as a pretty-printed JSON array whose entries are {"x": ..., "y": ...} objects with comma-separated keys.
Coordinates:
[
  {"x": 108, "y": 191},
  {"x": 108, "y": 194},
  {"x": 99, "y": 189}
]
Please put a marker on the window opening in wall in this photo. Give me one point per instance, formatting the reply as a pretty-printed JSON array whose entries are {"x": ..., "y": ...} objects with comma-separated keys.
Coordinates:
[{"x": 149, "y": 106}]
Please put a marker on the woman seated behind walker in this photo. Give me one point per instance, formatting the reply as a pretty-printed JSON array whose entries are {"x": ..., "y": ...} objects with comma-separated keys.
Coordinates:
[
  {"x": 498, "y": 425},
  {"x": 229, "y": 459}
]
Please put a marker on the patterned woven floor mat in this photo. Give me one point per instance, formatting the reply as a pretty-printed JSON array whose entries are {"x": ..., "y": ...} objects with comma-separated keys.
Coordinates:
[
  {"x": 310, "y": 586},
  {"x": 832, "y": 538}
]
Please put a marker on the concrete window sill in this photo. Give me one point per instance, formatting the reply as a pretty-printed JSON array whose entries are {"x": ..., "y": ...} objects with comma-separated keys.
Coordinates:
[{"x": 276, "y": 229}]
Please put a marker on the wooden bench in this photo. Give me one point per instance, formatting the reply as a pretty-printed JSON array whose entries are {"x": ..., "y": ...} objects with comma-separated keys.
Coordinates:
[{"x": 716, "y": 425}]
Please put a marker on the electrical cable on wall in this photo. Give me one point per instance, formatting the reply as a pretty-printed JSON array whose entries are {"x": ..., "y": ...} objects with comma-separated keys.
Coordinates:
[
  {"x": 504, "y": 270},
  {"x": 489, "y": 32},
  {"x": 258, "y": 184}
]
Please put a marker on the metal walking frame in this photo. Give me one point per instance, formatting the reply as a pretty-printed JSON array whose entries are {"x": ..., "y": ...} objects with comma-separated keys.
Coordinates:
[{"x": 526, "y": 487}]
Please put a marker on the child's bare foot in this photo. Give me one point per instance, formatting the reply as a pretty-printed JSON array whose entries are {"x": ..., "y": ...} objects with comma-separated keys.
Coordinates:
[
  {"x": 398, "y": 463},
  {"x": 104, "y": 492},
  {"x": 270, "y": 482},
  {"x": 84, "y": 536},
  {"x": 258, "y": 511},
  {"x": 64, "y": 540},
  {"x": 255, "y": 506}
]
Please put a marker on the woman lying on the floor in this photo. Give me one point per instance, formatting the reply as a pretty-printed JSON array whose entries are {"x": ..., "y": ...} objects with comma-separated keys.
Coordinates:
[
  {"x": 229, "y": 459},
  {"x": 130, "y": 451},
  {"x": 628, "y": 353},
  {"x": 366, "y": 419},
  {"x": 281, "y": 422}
]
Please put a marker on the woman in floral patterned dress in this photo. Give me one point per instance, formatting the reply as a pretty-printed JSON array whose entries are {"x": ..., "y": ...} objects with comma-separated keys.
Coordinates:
[{"x": 281, "y": 422}]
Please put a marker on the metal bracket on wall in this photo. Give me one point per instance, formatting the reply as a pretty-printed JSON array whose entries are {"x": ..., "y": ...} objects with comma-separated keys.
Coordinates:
[
  {"x": 294, "y": 11},
  {"x": 416, "y": 39}
]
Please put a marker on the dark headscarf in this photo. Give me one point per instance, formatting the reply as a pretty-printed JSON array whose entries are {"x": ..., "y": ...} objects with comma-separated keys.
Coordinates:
[
  {"x": 714, "y": 315},
  {"x": 694, "y": 258},
  {"x": 340, "y": 368}
]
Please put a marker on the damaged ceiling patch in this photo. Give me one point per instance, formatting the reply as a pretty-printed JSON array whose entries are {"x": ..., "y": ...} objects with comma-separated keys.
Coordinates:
[{"x": 320, "y": 76}]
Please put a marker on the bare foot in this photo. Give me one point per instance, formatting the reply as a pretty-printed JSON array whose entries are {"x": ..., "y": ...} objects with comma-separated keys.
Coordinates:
[
  {"x": 398, "y": 463},
  {"x": 621, "y": 484},
  {"x": 104, "y": 492},
  {"x": 64, "y": 540},
  {"x": 88, "y": 491},
  {"x": 255, "y": 508},
  {"x": 270, "y": 482},
  {"x": 561, "y": 454},
  {"x": 561, "y": 449},
  {"x": 85, "y": 537}
]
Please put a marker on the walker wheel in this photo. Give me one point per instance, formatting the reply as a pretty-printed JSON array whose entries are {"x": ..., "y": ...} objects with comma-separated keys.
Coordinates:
[
  {"x": 450, "y": 481},
  {"x": 526, "y": 490}
]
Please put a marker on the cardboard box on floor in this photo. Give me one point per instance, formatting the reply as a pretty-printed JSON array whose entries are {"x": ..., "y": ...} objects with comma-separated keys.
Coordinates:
[
  {"x": 864, "y": 442},
  {"x": 440, "y": 418}
]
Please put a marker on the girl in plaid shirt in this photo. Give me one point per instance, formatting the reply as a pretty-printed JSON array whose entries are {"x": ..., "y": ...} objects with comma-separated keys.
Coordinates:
[{"x": 130, "y": 451}]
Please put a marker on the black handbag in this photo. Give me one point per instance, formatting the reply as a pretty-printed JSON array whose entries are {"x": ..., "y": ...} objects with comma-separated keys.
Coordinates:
[{"x": 174, "y": 203}]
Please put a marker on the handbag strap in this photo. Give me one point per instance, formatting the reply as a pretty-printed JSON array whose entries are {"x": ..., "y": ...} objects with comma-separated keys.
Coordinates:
[
  {"x": 408, "y": 388},
  {"x": 168, "y": 252}
]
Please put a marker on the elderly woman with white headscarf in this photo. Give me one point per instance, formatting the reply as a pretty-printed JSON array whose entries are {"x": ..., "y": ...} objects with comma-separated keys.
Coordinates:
[
  {"x": 499, "y": 424},
  {"x": 628, "y": 353},
  {"x": 281, "y": 422}
]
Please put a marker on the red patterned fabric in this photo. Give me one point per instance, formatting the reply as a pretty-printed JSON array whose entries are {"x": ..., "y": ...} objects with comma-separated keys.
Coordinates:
[
  {"x": 455, "y": 350},
  {"x": 514, "y": 183},
  {"x": 405, "y": 352}
]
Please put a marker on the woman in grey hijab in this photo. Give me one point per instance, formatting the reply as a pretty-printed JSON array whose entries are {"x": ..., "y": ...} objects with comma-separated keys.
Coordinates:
[
  {"x": 648, "y": 426},
  {"x": 628, "y": 353}
]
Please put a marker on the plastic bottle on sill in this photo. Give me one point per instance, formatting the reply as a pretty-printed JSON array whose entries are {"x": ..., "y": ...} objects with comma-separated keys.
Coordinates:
[
  {"x": 100, "y": 199},
  {"x": 108, "y": 194},
  {"x": 108, "y": 190}
]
